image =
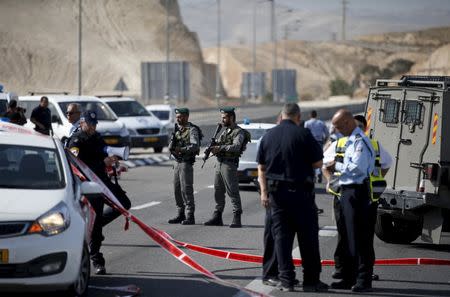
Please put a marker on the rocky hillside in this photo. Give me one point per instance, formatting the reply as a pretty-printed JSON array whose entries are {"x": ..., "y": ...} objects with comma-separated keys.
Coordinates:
[
  {"x": 39, "y": 44},
  {"x": 357, "y": 62}
]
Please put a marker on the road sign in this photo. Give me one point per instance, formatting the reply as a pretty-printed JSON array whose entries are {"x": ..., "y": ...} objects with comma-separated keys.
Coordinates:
[{"x": 121, "y": 86}]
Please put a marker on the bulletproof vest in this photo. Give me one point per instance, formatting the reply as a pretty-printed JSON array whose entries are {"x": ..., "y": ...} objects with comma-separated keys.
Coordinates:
[
  {"x": 182, "y": 139},
  {"x": 226, "y": 138}
]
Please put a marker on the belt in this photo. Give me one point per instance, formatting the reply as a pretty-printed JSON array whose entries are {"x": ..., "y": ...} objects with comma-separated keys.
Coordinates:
[{"x": 352, "y": 186}]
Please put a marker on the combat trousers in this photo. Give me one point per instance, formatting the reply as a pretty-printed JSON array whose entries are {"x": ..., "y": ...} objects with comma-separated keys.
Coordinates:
[
  {"x": 294, "y": 212},
  {"x": 270, "y": 263},
  {"x": 226, "y": 181},
  {"x": 97, "y": 203},
  {"x": 357, "y": 211},
  {"x": 183, "y": 183}
]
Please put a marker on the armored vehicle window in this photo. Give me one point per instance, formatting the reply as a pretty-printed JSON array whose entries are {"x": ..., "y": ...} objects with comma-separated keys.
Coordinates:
[
  {"x": 389, "y": 113},
  {"x": 412, "y": 112}
]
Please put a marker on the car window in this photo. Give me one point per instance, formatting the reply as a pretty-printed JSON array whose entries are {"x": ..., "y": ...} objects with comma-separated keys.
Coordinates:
[
  {"x": 161, "y": 114},
  {"x": 27, "y": 167},
  {"x": 103, "y": 112},
  {"x": 3, "y": 106},
  {"x": 256, "y": 133},
  {"x": 128, "y": 109}
]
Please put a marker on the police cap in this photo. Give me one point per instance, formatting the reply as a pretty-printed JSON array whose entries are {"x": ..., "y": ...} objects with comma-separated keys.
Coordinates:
[
  {"x": 182, "y": 110},
  {"x": 227, "y": 109},
  {"x": 90, "y": 117}
]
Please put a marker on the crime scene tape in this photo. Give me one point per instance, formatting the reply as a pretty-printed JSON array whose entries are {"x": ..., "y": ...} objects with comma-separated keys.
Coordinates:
[
  {"x": 152, "y": 232},
  {"x": 249, "y": 258}
]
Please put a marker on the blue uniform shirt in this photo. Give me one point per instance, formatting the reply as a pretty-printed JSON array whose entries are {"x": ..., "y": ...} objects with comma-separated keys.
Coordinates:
[
  {"x": 359, "y": 159},
  {"x": 318, "y": 129}
]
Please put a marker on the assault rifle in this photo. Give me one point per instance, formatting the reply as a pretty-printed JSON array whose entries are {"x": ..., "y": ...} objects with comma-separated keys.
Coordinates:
[
  {"x": 172, "y": 140},
  {"x": 212, "y": 143}
]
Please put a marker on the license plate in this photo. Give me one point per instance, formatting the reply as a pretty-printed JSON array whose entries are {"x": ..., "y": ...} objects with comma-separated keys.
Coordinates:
[
  {"x": 4, "y": 256},
  {"x": 252, "y": 173},
  {"x": 150, "y": 139},
  {"x": 111, "y": 141}
]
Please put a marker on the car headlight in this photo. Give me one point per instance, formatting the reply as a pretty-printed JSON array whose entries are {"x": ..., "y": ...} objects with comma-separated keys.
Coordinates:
[{"x": 53, "y": 222}]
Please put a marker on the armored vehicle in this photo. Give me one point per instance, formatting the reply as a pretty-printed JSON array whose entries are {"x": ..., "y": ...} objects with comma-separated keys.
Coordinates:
[{"x": 410, "y": 117}]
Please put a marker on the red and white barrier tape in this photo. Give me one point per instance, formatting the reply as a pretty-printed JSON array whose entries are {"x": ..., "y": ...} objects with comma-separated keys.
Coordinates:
[{"x": 155, "y": 234}]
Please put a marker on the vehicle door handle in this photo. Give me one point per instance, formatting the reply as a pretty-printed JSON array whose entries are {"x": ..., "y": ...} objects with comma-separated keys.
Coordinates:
[{"x": 406, "y": 141}]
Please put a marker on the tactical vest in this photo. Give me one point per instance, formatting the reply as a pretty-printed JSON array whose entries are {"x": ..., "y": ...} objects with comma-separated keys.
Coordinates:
[
  {"x": 377, "y": 182},
  {"x": 226, "y": 138},
  {"x": 182, "y": 139}
]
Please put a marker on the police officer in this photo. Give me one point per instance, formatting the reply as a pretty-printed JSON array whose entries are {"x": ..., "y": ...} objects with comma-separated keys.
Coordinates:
[
  {"x": 320, "y": 133},
  {"x": 88, "y": 145},
  {"x": 334, "y": 152},
  {"x": 354, "y": 168},
  {"x": 229, "y": 148},
  {"x": 73, "y": 114},
  {"x": 184, "y": 146},
  {"x": 286, "y": 158},
  {"x": 41, "y": 116}
]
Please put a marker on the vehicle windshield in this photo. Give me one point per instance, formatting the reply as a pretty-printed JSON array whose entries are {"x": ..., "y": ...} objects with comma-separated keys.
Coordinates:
[
  {"x": 103, "y": 112},
  {"x": 256, "y": 133},
  {"x": 161, "y": 114},
  {"x": 128, "y": 109},
  {"x": 27, "y": 167}
]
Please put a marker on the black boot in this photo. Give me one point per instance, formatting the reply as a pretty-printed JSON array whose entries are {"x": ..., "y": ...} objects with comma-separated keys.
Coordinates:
[
  {"x": 190, "y": 220},
  {"x": 216, "y": 220},
  {"x": 236, "y": 221},
  {"x": 178, "y": 219}
]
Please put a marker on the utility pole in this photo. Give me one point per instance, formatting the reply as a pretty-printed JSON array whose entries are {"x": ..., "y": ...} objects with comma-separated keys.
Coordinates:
[
  {"x": 252, "y": 77},
  {"x": 166, "y": 68},
  {"x": 344, "y": 10},
  {"x": 218, "y": 86},
  {"x": 273, "y": 32},
  {"x": 79, "y": 46}
]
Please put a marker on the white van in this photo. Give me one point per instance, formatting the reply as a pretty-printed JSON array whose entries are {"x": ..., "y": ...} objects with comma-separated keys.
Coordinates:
[
  {"x": 165, "y": 113},
  {"x": 145, "y": 129},
  {"x": 113, "y": 131}
]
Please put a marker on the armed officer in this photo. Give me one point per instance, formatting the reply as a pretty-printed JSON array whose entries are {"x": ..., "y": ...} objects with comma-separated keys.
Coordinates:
[
  {"x": 229, "y": 148},
  {"x": 353, "y": 167},
  {"x": 89, "y": 147},
  {"x": 184, "y": 146},
  {"x": 286, "y": 158}
]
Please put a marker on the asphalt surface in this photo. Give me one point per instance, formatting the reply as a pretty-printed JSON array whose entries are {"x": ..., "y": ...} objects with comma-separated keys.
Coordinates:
[{"x": 133, "y": 258}]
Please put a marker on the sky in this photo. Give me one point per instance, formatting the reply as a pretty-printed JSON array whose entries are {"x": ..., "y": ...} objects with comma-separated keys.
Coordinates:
[{"x": 316, "y": 20}]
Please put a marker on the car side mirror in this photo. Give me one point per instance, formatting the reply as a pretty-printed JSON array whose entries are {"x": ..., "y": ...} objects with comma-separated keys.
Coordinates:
[
  {"x": 56, "y": 119},
  {"x": 90, "y": 188}
]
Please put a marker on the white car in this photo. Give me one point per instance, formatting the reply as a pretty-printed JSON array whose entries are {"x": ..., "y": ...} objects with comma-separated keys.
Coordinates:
[
  {"x": 45, "y": 221},
  {"x": 248, "y": 168},
  {"x": 112, "y": 130},
  {"x": 145, "y": 129},
  {"x": 165, "y": 113}
]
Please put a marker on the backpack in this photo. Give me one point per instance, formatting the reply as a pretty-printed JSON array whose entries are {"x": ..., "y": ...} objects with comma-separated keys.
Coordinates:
[{"x": 200, "y": 136}]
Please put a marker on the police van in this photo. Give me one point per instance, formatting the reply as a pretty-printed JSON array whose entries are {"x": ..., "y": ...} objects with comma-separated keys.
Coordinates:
[{"x": 410, "y": 117}]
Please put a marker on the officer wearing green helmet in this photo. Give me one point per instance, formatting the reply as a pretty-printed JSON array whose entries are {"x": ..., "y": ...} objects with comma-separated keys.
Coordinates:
[
  {"x": 184, "y": 146},
  {"x": 230, "y": 145}
]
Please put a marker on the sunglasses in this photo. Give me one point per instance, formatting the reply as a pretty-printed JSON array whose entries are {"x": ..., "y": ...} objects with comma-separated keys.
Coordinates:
[{"x": 71, "y": 112}]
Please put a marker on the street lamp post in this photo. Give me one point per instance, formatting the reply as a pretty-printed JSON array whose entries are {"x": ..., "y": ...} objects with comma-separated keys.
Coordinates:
[
  {"x": 287, "y": 28},
  {"x": 79, "y": 45},
  {"x": 274, "y": 43},
  {"x": 166, "y": 68},
  {"x": 218, "y": 86}
]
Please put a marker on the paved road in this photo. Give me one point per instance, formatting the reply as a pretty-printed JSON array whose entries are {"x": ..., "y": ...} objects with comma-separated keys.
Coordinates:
[{"x": 132, "y": 258}]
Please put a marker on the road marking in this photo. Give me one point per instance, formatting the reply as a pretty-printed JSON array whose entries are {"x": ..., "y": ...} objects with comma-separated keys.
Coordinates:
[
  {"x": 257, "y": 286},
  {"x": 210, "y": 187},
  {"x": 150, "y": 204},
  {"x": 195, "y": 192}
]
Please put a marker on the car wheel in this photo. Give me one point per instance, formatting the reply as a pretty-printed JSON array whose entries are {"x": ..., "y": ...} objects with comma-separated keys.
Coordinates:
[
  {"x": 158, "y": 149},
  {"x": 396, "y": 230},
  {"x": 80, "y": 287}
]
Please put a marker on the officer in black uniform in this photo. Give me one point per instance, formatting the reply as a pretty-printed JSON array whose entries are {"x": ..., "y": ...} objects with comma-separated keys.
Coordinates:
[
  {"x": 286, "y": 158},
  {"x": 89, "y": 147}
]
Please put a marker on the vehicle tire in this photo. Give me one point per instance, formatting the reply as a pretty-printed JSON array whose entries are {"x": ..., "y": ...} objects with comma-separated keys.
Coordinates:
[
  {"x": 80, "y": 287},
  {"x": 395, "y": 230},
  {"x": 158, "y": 149}
]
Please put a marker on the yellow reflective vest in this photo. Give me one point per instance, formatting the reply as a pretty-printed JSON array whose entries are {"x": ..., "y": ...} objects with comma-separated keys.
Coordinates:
[{"x": 377, "y": 182}]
